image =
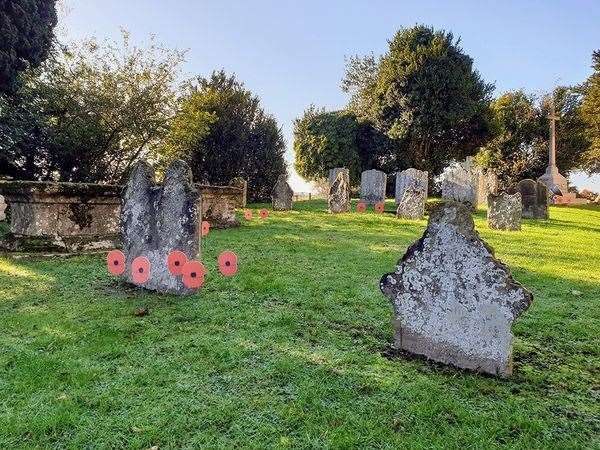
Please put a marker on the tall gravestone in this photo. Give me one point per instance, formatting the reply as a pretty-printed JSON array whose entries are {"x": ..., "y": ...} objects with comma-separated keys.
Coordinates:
[
  {"x": 334, "y": 172},
  {"x": 372, "y": 186},
  {"x": 534, "y": 197},
  {"x": 282, "y": 195},
  {"x": 467, "y": 183},
  {"x": 504, "y": 211},
  {"x": 339, "y": 194},
  {"x": 410, "y": 178},
  {"x": 158, "y": 219},
  {"x": 453, "y": 301},
  {"x": 412, "y": 204}
]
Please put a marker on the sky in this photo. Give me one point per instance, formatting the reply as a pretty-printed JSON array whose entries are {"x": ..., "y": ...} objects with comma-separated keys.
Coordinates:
[{"x": 291, "y": 53}]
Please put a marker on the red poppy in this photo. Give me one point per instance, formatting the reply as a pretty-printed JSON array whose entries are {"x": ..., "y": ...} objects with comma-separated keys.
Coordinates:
[
  {"x": 175, "y": 262},
  {"x": 228, "y": 263},
  {"x": 379, "y": 207},
  {"x": 248, "y": 214},
  {"x": 140, "y": 270},
  {"x": 205, "y": 228},
  {"x": 115, "y": 262},
  {"x": 193, "y": 274},
  {"x": 264, "y": 213},
  {"x": 361, "y": 207}
]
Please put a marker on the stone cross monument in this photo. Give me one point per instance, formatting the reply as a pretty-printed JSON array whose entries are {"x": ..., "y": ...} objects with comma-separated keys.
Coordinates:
[{"x": 552, "y": 178}]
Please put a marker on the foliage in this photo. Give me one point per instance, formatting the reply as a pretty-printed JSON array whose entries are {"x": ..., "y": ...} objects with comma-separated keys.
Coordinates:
[
  {"x": 26, "y": 30},
  {"x": 223, "y": 132},
  {"x": 89, "y": 112},
  {"x": 424, "y": 95},
  {"x": 590, "y": 114}
]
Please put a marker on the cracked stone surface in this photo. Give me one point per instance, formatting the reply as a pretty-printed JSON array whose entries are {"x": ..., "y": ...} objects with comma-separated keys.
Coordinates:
[
  {"x": 410, "y": 178},
  {"x": 504, "y": 211},
  {"x": 412, "y": 205},
  {"x": 339, "y": 193},
  {"x": 453, "y": 301},
  {"x": 156, "y": 220},
  {"x": 282, "y": 194},
  {"x": 372, "y": 186}
]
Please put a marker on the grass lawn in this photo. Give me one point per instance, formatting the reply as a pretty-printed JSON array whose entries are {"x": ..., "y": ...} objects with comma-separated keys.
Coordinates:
[{"x": 294, "y": 350}]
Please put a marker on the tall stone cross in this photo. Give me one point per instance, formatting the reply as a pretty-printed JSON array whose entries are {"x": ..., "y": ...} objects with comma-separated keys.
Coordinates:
[
  {"x": 554, "y": 181},
  {"x": 552, "y": 147}
]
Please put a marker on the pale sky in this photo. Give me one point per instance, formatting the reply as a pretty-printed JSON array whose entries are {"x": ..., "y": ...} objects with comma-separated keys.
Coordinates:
[{"x": 291, "y": 53}]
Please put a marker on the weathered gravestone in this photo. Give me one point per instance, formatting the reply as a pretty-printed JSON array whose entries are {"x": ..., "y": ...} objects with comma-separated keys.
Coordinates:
[
  {"x": 156, "y": 220},
  {"x": 2, "y": 208},
  {"x": 339, "y": 194},
  {"x": 410, "y": 178},
  {"x": 334, "y": 172},
  {"x": 504, "y": 211},
  {"x": 453, "y": 301},
  {"x": 457, "y": 185},
  {"x": 412, "y": 205},
  {"x": 282, "y": 195},
  {"x": 372, "y": 186},
  {"x": 534, "y": 197}
]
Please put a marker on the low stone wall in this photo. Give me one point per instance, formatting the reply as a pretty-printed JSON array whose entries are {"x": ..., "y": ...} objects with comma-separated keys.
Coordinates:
[
  {"x": 61, "y": 216},
  {"x": 219, "y": 204}
]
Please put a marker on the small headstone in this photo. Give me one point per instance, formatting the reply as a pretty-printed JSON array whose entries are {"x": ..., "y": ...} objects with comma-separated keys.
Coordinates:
[
  {"x": 412, "y": 205},
  {"x": 504, "y": 211},
  {"x": 333, "y": 173},
  {"x": 2, "y": 208},
  {"x": 372, "y": 186},
  {"x": 534, "y": 197},
  {"x": 282, "y": 195},
  {"x": 339, "y": 194},
  {"x": 453, "y": 301},
  {"x": 410, "y": 178},
  {"x": 155, "y": 220}
]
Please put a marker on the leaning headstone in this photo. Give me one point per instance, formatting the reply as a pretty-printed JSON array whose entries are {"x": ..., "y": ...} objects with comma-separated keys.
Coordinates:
[
  {"x": 334, "y": 172},
  {"x": 2, "y": 208},
  {"x": 339, "y": 194},
  {"x": 410, "y": 178},
  {"x": 504, "y": 211},
  {"x": 372, "y": 186},
  {"x": 412, "y": 205},
  {"x": 282, "y": 195},
  {"x": 534, "y": 197},
  {"x": 156, "y": 220},
  {"x": 453, "y": 301}
]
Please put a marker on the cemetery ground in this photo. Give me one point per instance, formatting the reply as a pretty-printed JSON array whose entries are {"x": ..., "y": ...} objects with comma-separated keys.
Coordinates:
[{"x": 294, "y": 350}]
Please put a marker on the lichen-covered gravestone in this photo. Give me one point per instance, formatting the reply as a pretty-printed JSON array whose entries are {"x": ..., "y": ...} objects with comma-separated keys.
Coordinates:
[
  {"x": 453, "y": 301},
  {"x": 412, "y": 205},
  {"x": 372, "y": 186},
  {"x": 457, "y": 185},
  {"x": 334, "y": 172},
  {"x": 339, "y": 194},
  {"x": 410, "y": 178},
  {"x": 282, "y": 195},
  {"x": 504, "y": 211},
  {"x": 534, "y": 197},
  {"x": 2, "y": 208},
  {"x": 156, "y": 220}
]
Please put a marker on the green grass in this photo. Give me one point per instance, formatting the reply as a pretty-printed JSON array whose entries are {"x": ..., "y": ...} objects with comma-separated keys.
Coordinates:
[{"x": 294, "y": 350}]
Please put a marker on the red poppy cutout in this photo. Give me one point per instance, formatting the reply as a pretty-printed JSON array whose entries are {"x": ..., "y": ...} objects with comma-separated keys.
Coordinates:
[
  {"x": 140, "y": 270},
  {"x": 205, "y": 228},
  {"x": 361, "y": 207},
  {"x": 264, "y": 213},
  {"x": 228, "y": 263},
  {"x": 379, "y": 207},
  {"x": 175, "y": 262},
  {"x": 115, "y": 262},
  {"x": 193, "y": 274},
  {"x": 248, "y": 214}
]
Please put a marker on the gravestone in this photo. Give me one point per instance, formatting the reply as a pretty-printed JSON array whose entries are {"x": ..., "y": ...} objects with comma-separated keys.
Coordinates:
[
  {"x": 339, "y": 193},
  {"x": 156, "y": 220},
  {"x": 410, "y": 178},
  {"x": 412, "y": 205},
  {"x": 372, "y": 186},
  {"x": 2, "y": 208},
  {"x": 453, "y": 301},
  {"x": 467, "y": 183},
  {"x": 282, "y": 194},
  {"x": 534, "y": 197},
  {"x": 334, "y": 172},
  {"x": 504, "y": 211}
]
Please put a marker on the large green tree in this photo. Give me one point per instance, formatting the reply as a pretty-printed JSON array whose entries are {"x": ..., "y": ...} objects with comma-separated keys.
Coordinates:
[
  {"x": 222, "y": 130},
  {"x": 425, "y": 95},
  {"x": 89, "y": 112},
  {"x": 590, "y": 114},
  {"x": 26, "y": 28}
]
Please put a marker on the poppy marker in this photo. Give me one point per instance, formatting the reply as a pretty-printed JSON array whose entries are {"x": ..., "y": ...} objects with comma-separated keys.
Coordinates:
[
  {"x": 175, "y": 262},
  {"x": 140, "y": 270},
  {"x": 228, "y": 263},
  {"x": 115, "y": 262}
]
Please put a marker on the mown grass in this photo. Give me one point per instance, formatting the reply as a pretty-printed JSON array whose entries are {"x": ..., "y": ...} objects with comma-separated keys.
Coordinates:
[{"x": 294, "y": 350}]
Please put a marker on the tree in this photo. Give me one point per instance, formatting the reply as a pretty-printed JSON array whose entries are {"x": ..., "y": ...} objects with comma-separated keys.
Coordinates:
[
  {"x": 89, "y": 112},
  {"x": 26, "y": 29},
  {"x": 590, "y": 114},
  {"x": 223, "y": 132},
  {"x": 424, "y": 95}
]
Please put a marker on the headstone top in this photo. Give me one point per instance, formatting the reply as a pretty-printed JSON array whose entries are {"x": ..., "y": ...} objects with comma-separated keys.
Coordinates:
[
  {"x": 504, "y": 211},
  {"x": 339, "y": 194},
  {"x": 372, "y": 186},
  {"x": 410, "y": 178},
  {"x": 282, "y": 195}
]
